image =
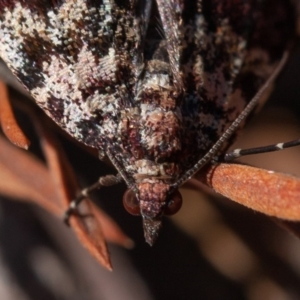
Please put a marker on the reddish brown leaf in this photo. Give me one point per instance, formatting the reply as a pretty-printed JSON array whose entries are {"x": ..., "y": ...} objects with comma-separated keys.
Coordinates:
[
  {"x": 111, "y": 231},
  {"x": 8, "y": 122},
  {"x": 88, "y": 229},
  {"x": 24, "y": 177},
  {"x": 67, "y": 185},
  {"x": 272, "y": 193}
]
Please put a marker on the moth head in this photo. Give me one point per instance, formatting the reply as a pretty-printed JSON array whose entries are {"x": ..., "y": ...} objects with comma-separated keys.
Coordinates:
[{"x": 153, "y": 200}]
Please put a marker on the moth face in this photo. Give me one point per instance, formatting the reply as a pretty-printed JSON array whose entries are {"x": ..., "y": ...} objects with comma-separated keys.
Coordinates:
[{"x": 154, "y": 201}]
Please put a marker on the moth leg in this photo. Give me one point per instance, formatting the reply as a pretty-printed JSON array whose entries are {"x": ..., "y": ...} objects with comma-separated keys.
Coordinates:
[
  {"x": 270, "y": 148},
  {"x": 103, "y": 181},
  {"x": 101, "y": 155}
]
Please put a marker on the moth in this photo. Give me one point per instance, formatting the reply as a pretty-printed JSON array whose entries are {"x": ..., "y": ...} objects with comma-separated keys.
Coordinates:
[{"x": 158, "y": 86}]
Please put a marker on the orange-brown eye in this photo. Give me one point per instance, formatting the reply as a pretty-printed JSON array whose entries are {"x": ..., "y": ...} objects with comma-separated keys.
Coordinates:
[
  {"x": 131, "y": 203},
  {"x": 174, "y": 204}
]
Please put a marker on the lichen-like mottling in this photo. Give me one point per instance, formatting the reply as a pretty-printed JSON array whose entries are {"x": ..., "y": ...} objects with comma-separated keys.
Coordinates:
[{"x": 153, "y": 86}]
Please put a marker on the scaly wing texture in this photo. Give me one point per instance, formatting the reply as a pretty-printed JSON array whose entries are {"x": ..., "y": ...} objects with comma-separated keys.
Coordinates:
[
  {"x": 152, "y": 83},
  {"x": 76, "y": 58},
  {"x": 235, "y": 47}
]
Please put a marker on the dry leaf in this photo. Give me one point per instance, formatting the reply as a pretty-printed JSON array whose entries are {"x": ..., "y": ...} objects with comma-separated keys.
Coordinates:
[
  {"x": 271, "y": 193},
  {"x": 24, "y": 177},
  {"x": 8, "y": 122}
]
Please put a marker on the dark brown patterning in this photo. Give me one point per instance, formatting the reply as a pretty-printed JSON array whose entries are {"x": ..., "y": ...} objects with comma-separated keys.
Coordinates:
[{"x": 153, "y": 84}]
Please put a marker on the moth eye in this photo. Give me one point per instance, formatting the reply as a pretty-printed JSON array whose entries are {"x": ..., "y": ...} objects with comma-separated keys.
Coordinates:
[
  {"x": 174, "y": 204},
  {"x": 131, "y": 203}
]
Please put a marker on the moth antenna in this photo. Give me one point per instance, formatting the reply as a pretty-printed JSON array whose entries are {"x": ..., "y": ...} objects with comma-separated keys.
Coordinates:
[
  {"x": 232, "y": 128},
  {"x": 236, "y": 153}
]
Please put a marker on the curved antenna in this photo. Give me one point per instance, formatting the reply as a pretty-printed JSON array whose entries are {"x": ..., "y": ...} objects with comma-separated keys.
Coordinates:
[
  {"x": 232, "y": 128},
  {"x": 120, "y": 170}
]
